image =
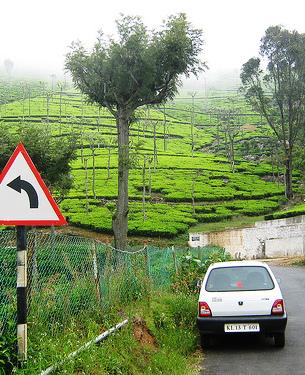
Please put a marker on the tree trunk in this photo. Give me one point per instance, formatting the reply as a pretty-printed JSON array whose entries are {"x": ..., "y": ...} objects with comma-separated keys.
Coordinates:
[
  {"x": 164, "y": 129},
  {"x": 232, "y": 154},
  {"x": 60, "y": 109},
  {"x": 108, "y": 163},
  {"x": 29, "y": 102},
  {"x": 193, "y": 194},
  {"x": 86, "y": 184},
  {"x": 144, "y": 188},
  {"x": 120, "y": 217},
  {"x": 93, "y": 171},
  {"x": 288, "y": 176},
  {"x": 155, "y": 147}
]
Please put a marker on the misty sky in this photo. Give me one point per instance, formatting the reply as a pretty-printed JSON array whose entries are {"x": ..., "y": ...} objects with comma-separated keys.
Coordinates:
[{"x": 35, "y": 34}]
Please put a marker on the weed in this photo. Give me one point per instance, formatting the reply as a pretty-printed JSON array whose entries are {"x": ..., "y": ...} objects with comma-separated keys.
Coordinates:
[{"x": 8, "y": 347}]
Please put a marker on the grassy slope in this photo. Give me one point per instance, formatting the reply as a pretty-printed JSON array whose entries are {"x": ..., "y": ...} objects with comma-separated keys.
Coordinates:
[
  {"x": 234, "y": 223},
  {"x": 151, "y": 343},
  {"x": 175, "y": 177}
]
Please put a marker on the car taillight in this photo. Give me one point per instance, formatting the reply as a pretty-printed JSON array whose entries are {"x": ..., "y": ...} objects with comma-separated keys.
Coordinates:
[
  {"x": 278, "y": 307},
  {"x": 204, "y": 309}
]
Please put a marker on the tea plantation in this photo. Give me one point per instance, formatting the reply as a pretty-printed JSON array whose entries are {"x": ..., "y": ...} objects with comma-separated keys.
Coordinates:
[{"x": 176, "y": 177}]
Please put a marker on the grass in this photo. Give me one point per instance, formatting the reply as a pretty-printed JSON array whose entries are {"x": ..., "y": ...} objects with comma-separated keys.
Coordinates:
[
  {"x": 150, "y": 344},
  {"x": 158, "y": 351},
  {"x": 65, "y": 308},
  {"x": 234, "y": 223},
  {"x": 299, "y": 262}
]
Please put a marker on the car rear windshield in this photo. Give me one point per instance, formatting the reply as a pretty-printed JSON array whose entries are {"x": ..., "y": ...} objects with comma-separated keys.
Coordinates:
[{"x": 229, "y": 279}]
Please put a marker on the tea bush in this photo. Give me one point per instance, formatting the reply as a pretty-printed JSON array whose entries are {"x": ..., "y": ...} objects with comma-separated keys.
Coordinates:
[
  {"x": 294, "y": 211},
  {"x": 176, "y": 177}
]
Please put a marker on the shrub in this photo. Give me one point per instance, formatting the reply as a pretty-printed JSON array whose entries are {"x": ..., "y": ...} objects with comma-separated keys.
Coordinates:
[
  {"x": 192, "y": 269},
  {"x": 213, "y": 218}
]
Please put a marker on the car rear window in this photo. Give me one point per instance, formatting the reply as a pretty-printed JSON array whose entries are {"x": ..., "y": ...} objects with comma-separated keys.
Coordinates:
[{"x": 229, "y": 279}]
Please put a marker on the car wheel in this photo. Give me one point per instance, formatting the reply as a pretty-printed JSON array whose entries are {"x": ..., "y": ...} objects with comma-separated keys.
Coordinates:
[
  {"x": 279, "y": 340},
  {"x": 205, "y": 341}
]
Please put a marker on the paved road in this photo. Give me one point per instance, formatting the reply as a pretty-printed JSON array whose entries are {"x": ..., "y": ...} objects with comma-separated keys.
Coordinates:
[{"x": 245, "y": 356}]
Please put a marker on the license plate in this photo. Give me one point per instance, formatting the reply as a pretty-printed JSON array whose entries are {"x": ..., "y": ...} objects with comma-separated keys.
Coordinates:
[{"x": 242, "y": 327}]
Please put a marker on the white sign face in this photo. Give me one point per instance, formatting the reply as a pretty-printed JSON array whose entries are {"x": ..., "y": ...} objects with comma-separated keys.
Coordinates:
[{"x": 24, "y": 198}]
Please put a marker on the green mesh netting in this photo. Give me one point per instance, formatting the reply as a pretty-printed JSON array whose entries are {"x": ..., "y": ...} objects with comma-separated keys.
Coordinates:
[{"x": 70, "y": 276}]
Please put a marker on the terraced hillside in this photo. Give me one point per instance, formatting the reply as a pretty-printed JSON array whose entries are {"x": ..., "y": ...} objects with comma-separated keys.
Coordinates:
[{"x": 175, "y": 180}]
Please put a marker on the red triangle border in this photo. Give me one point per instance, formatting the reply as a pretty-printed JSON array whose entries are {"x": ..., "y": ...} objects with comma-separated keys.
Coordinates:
[{"x": 61, "y": 220}]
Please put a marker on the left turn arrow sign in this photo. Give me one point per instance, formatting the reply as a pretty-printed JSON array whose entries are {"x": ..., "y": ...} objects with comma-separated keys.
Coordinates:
[
  {"x": 18, "y": 185},
  {"x": 34, "y": 205}
]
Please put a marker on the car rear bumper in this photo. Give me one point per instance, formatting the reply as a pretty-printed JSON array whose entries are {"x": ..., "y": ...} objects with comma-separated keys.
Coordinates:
[{"x": 268, "y": 324}]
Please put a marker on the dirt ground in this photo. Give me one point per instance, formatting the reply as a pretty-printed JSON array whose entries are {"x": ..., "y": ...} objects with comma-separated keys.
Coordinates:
[{"x": 142, "y": 333}]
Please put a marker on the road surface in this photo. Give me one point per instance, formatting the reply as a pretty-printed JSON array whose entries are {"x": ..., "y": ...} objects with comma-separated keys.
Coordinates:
[{"x": 257, "y": 356}]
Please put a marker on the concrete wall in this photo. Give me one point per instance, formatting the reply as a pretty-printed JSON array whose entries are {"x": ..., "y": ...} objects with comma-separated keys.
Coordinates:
[{"x": 273, "y": 238}]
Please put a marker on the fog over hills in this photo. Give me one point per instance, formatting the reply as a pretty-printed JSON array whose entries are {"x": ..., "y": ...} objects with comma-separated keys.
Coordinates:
[{"x": 209, "y": 80}]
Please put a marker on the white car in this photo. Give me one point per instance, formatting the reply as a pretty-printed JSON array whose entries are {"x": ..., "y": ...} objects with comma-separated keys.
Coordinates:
[{"x": 241, "y": 297}]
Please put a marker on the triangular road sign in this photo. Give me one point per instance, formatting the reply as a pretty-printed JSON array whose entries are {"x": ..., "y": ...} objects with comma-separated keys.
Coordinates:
[{"x": 24, "y": 197}]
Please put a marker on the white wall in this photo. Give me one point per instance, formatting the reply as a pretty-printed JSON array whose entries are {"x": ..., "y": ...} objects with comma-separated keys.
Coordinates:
[{"x": 273, "y": 238}]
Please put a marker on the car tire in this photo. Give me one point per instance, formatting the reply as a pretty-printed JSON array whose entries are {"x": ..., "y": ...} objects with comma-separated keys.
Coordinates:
[
  {"x": 279, "y": 339},
  {"x": 205, "y": 341}
]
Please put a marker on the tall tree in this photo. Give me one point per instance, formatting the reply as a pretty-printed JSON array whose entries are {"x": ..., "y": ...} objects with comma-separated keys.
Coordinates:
[
  {"x": 278, "y": 92},
  {"x": 229, "y": 127},
  {"x": 139, "y": 68}
]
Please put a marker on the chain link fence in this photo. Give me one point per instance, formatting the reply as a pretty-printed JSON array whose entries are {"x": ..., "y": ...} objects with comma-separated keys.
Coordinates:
[
  {"x": 71, "y": 276},
  {"x": 8, "y": 277}
]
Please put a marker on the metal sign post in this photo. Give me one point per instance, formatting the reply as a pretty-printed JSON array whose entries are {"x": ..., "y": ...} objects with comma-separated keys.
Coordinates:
[
  {"x": 24, "y": 200},
  {"x": 21, "y": 294}
]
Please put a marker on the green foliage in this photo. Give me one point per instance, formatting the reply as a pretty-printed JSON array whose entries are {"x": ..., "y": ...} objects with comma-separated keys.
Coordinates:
[
  {"x": 122, "y": 353},
  {"x": 131, "y": 286},
  {"x": 300, "y": 262},
  {"x": 8, "y": 347},
  {"x": 174, "y": 320},
  {"x": 140, "y": 67},
  {"x": 294, "y": 211},
  {"x": 163, "y": 219},
  {"x": 13, "y": 90},
  {"x": 278, "y": 92},
  {"x": 218, "y": 193},
  {"x": 51, "y": 156},
  {"x": 171, "y": 352},
  {"x": 59, "y": 303},
  {"x": 252, "y": 208},
  {"x": 192, "y": 269}
]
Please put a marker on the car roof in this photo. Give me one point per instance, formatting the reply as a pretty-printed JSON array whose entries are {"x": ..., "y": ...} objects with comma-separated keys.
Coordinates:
[{"x": 239, "y": 263}]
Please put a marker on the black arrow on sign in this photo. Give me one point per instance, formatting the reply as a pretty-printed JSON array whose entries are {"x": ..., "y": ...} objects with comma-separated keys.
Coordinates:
[{"x": 19, "y": 185}]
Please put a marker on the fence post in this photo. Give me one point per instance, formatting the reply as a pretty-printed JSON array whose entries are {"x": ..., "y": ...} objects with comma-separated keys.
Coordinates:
[
  {"x": 21, "y": 294},
  {"x": 96, "y": 271},
  {"x": 175, "y": 259}
]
